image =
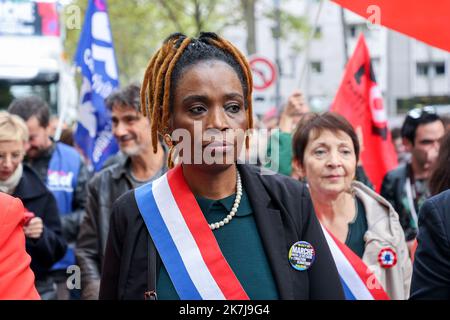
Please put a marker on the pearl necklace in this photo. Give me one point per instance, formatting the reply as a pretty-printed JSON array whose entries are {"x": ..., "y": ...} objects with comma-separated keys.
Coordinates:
[{"x": 237, "y": 201}]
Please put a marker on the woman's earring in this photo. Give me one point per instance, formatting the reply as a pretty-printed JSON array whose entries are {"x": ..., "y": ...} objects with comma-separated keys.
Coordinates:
[
  {"x": 247, "y": 139},
  {"x": 169, "y": 142}
]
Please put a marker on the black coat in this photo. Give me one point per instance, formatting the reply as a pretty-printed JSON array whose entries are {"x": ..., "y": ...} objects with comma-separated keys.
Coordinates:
[
  {"x": 283, "y": 214},
  {"x": 103, "y": 189},
  {"x": 36, "y": 198},
  {"x": 393, "y": 190},
  {"x": 431, "y": 273},
  {"x": 70, "y": 223}
]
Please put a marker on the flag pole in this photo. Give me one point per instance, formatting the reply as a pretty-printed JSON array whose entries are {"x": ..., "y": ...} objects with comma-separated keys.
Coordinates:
[
  {"x": 344, "y": 35},
  {"x": 308, "y": 42}
]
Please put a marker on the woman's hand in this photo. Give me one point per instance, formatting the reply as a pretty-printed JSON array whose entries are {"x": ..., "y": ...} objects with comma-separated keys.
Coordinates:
[{"x": 34, "y": 228}]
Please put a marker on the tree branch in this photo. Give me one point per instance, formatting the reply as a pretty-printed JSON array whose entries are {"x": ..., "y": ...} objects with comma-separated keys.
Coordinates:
[{"x": 171, "y": 15}]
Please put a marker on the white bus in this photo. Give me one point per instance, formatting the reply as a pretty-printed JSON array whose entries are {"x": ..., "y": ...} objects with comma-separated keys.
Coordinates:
[{"x": 31, "y": 55}]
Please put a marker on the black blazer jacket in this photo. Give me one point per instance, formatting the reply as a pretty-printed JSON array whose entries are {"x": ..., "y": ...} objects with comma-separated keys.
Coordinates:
[
  {"x": 431, "y": 273},
  {"x": 51, "y": 246},
  {"x": 284, "y": 215}
]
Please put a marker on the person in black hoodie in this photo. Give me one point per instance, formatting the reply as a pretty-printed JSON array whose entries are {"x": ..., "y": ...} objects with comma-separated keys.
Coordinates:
[{"x": 44, "y": 242}]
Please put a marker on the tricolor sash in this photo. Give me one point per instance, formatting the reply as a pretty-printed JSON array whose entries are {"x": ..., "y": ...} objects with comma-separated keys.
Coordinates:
[
  {"x": 358, "y": 281},
  {"x": 185, "y": 243}
]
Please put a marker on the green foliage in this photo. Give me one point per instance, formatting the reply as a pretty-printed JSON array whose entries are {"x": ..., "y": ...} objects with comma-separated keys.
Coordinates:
[
  {"x": 135, "y": 34},
  {"x": 292, "y": 26},
  {"x": 193, "y": 16},
  {"x": 140, "y": 26}
]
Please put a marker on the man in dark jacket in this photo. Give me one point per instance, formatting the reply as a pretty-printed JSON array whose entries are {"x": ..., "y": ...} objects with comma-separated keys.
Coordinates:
[
  {"x": 63, "y": 171},
  {"x": 137, "y": 165},
  {"x": 431, "y": 275},
  {"x": 406, "y": 187}
]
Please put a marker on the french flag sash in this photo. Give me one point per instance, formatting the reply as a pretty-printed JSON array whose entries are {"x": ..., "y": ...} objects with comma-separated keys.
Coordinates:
[
  {"x": 358, "y": 281},
  {"x": 185, "y": 243}
]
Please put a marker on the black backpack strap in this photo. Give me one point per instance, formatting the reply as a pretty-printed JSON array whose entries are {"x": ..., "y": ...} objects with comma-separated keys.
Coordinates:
[{"x": 152, "y": 270}]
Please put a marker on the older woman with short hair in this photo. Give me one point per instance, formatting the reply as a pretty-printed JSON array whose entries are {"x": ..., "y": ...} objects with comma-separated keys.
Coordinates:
[
  {"x": 359, "y": 224},
  {"x": 44, "y": 242}
]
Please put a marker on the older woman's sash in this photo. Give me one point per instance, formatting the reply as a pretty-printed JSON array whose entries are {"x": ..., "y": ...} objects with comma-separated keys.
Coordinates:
[
  {"x": 358, "y": 281},
  {"x": 185, "y": 243}
]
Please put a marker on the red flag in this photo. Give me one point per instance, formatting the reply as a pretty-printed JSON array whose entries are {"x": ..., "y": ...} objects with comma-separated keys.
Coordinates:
[
  {"x": 425, "y": 20},
  {"x": 359, "y": 101}
]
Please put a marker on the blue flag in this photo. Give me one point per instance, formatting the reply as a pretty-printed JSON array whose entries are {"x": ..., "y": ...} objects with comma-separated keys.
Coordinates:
[{"x": 96, "y": 59}]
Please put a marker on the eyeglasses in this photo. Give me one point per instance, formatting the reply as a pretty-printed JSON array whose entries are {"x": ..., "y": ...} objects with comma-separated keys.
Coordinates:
[
  {"x": 15, "y": 157},
  {"x": 417, "y": 113}
]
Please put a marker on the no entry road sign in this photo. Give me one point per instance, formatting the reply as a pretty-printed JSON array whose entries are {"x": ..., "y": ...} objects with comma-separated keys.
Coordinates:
[{"x": 264, "y": 72}]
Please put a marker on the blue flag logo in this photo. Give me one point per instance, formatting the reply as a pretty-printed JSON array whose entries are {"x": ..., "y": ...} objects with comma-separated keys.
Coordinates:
[{"x": 96, "y": 59}]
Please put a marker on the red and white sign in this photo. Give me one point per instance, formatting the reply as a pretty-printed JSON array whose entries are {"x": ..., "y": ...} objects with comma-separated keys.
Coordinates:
[{"x": 264, "y": 72}]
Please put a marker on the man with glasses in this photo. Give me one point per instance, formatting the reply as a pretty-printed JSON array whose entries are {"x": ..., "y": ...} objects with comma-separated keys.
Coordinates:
[{"x": 406, "y": 187}]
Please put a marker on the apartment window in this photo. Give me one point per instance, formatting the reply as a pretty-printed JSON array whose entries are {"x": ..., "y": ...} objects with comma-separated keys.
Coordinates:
[
  {"x": 376, "y": 62},
  {"x": 376, "y": 66},
  {"x": 316, "y": 66},
  {"x": 318, "y": 32},
  {"x": 353, "y": 31},
  {"x": 439, "y": 68},
  {"x": 422, "y": 69}
]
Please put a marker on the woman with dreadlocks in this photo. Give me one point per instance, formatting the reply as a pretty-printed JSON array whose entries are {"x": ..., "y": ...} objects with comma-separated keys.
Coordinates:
[{"x": 211, "y": 228}]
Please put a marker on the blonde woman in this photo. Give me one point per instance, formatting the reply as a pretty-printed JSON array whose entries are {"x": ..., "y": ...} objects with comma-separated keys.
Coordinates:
[{"x": 44, "y": 242}]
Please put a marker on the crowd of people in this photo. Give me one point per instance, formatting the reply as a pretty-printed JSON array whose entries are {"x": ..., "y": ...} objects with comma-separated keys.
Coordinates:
[{"x": 159, "y": 221}]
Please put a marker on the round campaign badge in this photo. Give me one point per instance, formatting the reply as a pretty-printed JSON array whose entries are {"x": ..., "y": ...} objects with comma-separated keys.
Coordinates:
[
  {"x": 302, "y": 255},
  {"x": 387, "y": 257}
]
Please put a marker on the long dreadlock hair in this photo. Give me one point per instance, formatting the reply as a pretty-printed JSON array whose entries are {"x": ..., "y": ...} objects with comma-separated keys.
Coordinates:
[{"x": 167, "y": 65}]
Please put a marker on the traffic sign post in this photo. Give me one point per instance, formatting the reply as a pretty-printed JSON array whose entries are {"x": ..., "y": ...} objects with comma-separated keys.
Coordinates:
[
  {"x": 264, "y": 72},
  {"x": 265, "y": 75}
]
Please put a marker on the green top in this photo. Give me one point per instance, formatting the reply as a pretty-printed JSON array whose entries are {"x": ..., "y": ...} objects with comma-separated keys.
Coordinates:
[
  {"x": 279, "y": 152},
  {"x": 356, "y": 230},
  {"x": 241, "y": 246}
]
